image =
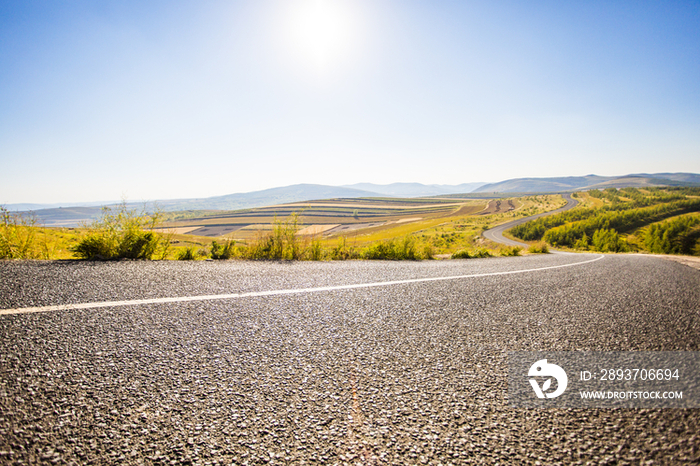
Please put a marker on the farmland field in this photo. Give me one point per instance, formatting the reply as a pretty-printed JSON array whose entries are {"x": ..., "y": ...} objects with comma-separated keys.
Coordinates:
[
  {"x": 449, "y": 223},
  {"x": 435, "y": 225}
]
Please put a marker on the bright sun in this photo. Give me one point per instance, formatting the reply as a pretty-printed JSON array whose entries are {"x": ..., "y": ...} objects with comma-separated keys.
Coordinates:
[{"x": 322, "y": 32}]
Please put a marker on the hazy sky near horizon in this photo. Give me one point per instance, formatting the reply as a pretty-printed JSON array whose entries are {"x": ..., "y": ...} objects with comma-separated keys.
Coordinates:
[{"x": 175, "y": 99}]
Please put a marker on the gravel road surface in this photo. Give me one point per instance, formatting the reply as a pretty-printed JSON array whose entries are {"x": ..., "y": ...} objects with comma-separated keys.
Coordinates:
[
  {"x": 411, "y": 373},
  {"x": 496, "y": 233}
]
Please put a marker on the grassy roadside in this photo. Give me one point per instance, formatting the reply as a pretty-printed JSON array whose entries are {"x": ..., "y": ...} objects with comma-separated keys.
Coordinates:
[{"x": 416, "y": 232}]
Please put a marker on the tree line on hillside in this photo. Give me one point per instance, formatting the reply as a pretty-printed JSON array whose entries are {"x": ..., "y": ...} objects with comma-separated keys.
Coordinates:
[
  {"x": 599, "y": 228},
  {"x": 676, "y": 236},
  {"x": 637, "y": 198}
]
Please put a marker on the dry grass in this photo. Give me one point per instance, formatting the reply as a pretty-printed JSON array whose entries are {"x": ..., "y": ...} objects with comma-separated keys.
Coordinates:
[{"x": 441, "y": 233}]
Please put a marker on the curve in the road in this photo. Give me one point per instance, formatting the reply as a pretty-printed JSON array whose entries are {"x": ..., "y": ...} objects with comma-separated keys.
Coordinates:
[
  {"x": 496, "y": 234},
  {"x": 133, "y": 302}
]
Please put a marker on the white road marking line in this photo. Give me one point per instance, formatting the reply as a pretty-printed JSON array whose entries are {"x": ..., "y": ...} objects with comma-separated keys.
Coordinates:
[{"x": 253, "y": 294}]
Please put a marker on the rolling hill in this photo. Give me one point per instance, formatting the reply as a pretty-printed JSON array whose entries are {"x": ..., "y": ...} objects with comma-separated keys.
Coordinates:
[
  {"x": 266, "y": 197},
  {"x": 577, "y": 183},
  {"x": 75, "y": 215},
  {"x": 416, "y": 189}
]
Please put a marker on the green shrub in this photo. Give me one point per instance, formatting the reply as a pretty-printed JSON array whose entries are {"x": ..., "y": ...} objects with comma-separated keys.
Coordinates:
[
  {"x": 138, "y": 245},
  {"x": 122, "y": 234},
  {"x": 188, "y": 253},
  {"x": 466, "y": 254},
  {"x": 342, "y": 252},
  {"x": 511, "y": 251},
  {"x": 18, "y": 237},
  {"x": 280, "y": 244},
  {"x": 316, "y": 250},
  {"x": 381, "y": 250},
  {"x": 96, "y": 246},
  {"x": 223, "y": 251},
  {"x": 481, "y": 253},
  {"x": 539, "y": 248},
  {"x": 428, "y": 251},
  {"x": 462, "y": 254},
  {"x": 393, "y": 249}
]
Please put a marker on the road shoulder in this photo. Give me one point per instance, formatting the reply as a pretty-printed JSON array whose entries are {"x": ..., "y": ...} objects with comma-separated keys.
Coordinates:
[{"x": 690, "y": 261}]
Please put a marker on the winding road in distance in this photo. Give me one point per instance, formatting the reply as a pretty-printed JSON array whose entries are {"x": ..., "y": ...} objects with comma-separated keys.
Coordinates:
[
  {"x": 496, "y": 233},
  {"x": 336, "y": 362}
]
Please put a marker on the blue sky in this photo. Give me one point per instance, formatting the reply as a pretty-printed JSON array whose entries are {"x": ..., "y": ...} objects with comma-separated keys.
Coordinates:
[{"x": 172, "y": 99}]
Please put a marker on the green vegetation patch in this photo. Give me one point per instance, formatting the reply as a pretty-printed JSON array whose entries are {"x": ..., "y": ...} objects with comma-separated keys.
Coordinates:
[
  {"x": 471, "y": 254},
  {"x": 437, "y": 228},
  {"x": 539, "y": 248},
  {"x": 18, "y": 237},
  {"x": 123, "y": 233},
  {"x": 680, "y": 235},
  {"x": 623, "y": 211}
]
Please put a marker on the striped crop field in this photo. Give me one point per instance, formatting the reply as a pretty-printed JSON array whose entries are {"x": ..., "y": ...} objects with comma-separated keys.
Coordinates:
[{"x": 365, "y": 219}]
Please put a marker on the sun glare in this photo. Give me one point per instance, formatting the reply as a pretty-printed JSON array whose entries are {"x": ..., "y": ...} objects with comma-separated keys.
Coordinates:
[{"x": 322, "y": 33}]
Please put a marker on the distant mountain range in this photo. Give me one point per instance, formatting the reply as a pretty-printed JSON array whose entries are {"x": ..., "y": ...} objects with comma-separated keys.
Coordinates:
[
  {"x": 75, "y": 215},
  {"x": 266, "y": 197},
  {"x": 53, "y": 215},
  {"x": 416, "y": 189},
  {"x": 578, "y": 183}
]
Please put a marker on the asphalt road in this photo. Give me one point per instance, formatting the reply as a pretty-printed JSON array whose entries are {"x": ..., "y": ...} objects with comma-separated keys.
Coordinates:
[
  {"x": 496, "y": 233},
  {"x": 407, "y": 373}
]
